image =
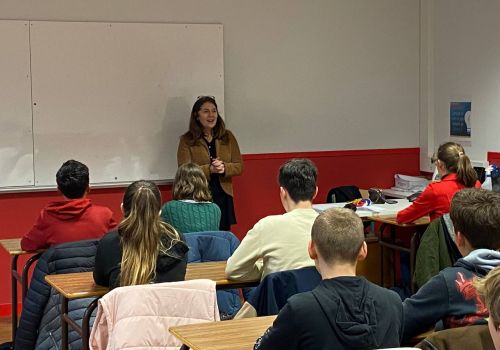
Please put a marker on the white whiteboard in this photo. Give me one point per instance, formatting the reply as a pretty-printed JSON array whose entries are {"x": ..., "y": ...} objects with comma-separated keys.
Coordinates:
[
  {"x": 117, "y": 96},
  {"x": 16, "y": 142}
]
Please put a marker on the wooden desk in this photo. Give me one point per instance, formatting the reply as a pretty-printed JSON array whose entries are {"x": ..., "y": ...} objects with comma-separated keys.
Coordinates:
[
  {"x": 82, "y": 285},
  {"x": 390, "y": 221},
  {"x": 224, "y": 335},
  {"x": 13, "y": 248},
  {"x": 386, "y": 209}
]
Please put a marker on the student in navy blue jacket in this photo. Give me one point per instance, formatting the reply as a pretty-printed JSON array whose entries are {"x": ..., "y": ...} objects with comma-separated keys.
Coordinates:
[
  {"x": 450, "y": 296},
  {"x": 344, "y": 311}
]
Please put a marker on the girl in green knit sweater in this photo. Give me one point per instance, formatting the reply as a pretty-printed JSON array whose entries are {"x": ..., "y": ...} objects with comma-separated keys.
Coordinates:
[{"x": 191, "y": 209}]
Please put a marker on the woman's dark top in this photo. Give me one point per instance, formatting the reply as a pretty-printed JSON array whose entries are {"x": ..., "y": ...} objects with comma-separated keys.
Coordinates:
[
  {"x": 219, "y": 196},
  {"x": 170, "y": 266}
]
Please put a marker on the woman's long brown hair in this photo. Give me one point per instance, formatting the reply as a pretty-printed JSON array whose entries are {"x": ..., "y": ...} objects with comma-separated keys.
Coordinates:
[{"x": 195, "y": 131}]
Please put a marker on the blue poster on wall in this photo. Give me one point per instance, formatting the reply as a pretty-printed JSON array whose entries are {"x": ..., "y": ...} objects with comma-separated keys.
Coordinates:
[{"x": 460, "y": 113}]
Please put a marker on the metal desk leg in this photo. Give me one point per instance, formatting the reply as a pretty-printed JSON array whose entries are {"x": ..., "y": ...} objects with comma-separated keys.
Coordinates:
[
  {"x": 381, "y": 272},
  {"x": 64, "y": 324},
  {"x": 86, "y": 323},
  {"x": 14, "y": 277}
]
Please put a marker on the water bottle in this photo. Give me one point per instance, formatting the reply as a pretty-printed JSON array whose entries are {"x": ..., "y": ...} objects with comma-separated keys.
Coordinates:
[{"x": 487, "y": 184}]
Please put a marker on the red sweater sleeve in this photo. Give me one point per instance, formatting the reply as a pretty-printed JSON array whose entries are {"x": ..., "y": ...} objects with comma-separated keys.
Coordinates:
[
  {"x": 36, "y": 238},
  {"x": 420, "y": 207}
]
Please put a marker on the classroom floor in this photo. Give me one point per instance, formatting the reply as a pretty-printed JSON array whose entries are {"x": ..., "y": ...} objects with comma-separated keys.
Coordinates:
[{"x": 5, "y": 334}]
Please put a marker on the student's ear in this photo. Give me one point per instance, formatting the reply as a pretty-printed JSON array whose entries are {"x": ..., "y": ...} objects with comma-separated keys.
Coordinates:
[
  {"x": 315, "y": 193},
  {"x": 311, "y": 249},
  {"x": 459, "y": 238},
  {"x": 463, "y": 244},
  {"x": 121, "y": 208},
  {"x": 282, "y": 193},
  {"x": 363, "y": 252}
]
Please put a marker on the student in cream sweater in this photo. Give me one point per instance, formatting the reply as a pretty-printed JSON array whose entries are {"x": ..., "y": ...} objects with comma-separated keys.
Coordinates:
[{"x": 279, "y": 242}]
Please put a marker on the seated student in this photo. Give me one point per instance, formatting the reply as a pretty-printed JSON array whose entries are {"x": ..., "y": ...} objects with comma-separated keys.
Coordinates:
[
  {"x": 280, "y": 240},
  {"x": 143, "y": 249},
  {"x": 456, "y": 173},
  {"x": 344, "y": 311},
  {"x": 191, "y": 209},
  {"x": 450, "y": 296},
  {"x": 488, "y": 289},
  {"x": 73, "y": 219}
]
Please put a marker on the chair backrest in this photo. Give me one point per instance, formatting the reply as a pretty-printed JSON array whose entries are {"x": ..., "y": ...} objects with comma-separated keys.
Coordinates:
[
  {"x": 215, "y": 246},
  {"x": 39, "y": 326},
  {"x": 138, "y": 317},
  {"x": 210, "y": 245},
  {"x": 343, "y": 194},
  {"x": 275, "y": 289}
]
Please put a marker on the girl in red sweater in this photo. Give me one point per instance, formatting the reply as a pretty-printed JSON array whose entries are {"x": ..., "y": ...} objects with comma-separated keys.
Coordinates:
[{"x": 456, "y": 173}]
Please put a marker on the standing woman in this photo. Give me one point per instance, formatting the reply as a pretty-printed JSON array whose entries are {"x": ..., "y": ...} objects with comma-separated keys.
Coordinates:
[
  {"x": 144, "y": 249},
  {"x": 214, "y": 148},
  {"x": 456, "y": 172}
]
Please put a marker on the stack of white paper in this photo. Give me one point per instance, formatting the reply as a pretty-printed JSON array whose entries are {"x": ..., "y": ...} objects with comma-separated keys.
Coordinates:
[{"x": 410, "y": 183}]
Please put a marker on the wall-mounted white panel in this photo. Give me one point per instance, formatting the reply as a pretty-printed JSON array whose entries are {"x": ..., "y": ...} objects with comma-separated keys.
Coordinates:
[
  {"x": 16, "y": 142},
  {"x": 117, "y": 96}
]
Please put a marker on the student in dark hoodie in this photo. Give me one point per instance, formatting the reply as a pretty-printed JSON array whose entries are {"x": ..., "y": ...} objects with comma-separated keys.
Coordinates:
[
  {"x": 72, "y": 219},
  {"x": 450, "y": 296},
  {"x": 144, "y": 249},
  {"x": 344, "y": 311}
]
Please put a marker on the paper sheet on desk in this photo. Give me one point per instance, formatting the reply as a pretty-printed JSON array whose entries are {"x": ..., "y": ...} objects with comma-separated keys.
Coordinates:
[{"x": 372, "y": 208}]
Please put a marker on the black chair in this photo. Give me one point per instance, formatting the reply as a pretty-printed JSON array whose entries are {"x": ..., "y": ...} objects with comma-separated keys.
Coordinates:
[{"x": 343, "y": 194}]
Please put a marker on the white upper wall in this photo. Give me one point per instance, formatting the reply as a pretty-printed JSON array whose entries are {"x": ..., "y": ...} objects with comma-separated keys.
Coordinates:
[
  {"x": 466, "y": 65},
  {"x": 300, "y": 75}
]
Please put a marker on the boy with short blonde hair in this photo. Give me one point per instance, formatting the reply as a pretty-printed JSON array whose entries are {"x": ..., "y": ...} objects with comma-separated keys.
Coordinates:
[{"x": 344, "y": 311}]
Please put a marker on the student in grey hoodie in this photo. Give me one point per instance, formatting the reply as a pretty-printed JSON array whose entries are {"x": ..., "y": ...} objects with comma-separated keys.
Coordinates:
[
  {"x": 450, "y": 296},
  {"x": 344, "y": 311}
]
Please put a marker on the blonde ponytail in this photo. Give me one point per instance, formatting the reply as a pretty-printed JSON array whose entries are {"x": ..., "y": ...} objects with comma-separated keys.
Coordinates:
[{"x": 141, "y": 232}]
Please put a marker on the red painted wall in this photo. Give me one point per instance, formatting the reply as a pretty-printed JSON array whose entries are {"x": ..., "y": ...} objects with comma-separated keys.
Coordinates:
[
  {"x": 256, "y": 191},
  {"x": 493, "y": 158}
]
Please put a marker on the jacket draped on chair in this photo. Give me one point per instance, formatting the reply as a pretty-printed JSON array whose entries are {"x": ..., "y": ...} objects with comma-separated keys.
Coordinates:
[{"x": 136, "y": 317}]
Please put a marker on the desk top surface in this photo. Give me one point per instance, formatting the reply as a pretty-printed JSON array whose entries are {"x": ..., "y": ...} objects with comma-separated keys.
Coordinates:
[
  {"x": 13, "y": 247},
  {"x": 82, "y": 285},
  {"x": 225, "y": 335},
  {"x": 383, "y": 213},
  {"x": 370, "y": 211}
]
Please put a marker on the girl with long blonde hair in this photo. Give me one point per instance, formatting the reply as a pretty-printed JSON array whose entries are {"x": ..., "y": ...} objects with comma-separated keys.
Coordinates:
[{"x": 143, "y": 249}]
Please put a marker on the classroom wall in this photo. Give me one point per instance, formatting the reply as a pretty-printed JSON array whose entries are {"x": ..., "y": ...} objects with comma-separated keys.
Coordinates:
[
  {"x": 465, "y": 65},
  {"x": 299, "y": 75},
  {"x": 302, "y": 78}
]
